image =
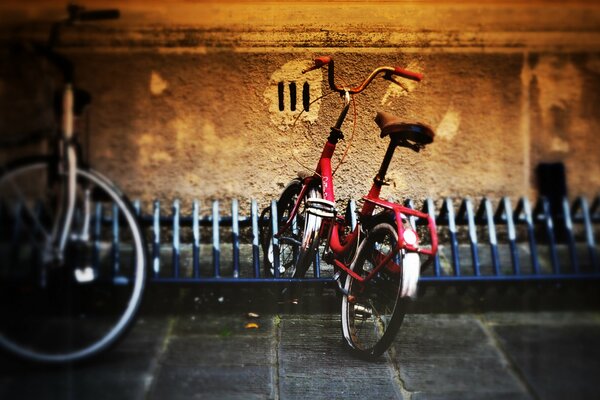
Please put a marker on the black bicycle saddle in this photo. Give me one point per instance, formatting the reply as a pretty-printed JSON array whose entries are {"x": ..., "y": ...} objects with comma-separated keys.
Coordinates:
[{"x": 394, "y": 127}]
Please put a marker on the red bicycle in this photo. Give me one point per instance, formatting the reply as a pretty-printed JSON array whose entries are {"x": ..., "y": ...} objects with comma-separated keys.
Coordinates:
[{"x": 377, "y": 262}]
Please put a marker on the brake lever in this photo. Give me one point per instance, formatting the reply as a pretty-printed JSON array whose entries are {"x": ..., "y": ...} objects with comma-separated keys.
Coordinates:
[{"x": 388, "y": 76}]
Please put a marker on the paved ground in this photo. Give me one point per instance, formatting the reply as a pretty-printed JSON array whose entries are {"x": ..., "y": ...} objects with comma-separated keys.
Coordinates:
[{"x": 294, "y": 354}]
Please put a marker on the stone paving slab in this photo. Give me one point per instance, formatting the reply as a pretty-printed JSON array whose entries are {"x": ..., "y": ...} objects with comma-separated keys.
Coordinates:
[
  {"x": 291, "y": 356},
  {"x": 452, "y": 356},
  {"x": 558, "y": 355}
]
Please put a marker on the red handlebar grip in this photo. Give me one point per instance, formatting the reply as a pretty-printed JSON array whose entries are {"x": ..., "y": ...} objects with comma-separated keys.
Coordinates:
[
  {"x": 320, "y": 61},
  {"x": 415, "y": 76}
]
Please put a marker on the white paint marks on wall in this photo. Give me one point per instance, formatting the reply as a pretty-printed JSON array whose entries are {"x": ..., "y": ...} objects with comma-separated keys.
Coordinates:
[
  {"x": 286, "y": 89},
  {"x": 157, "y": 84},
  {"x": 449, "y": 125},
  {"x": 150, "y": 153}
]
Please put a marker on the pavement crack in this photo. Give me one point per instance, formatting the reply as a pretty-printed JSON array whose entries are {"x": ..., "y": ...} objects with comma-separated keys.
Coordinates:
[
  {"x": 394, "y": 367},
  {"x": 155, "y": 367},
  {"x": 277, "y": 327},
  {"x": 506, "y": 357}
]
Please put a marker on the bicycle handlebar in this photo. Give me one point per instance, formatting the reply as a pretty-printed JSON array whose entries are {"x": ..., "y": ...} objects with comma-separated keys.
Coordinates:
[
  {"x": 75, "y": 13},
  {"x": 388, "y": 72},
  {"x": 99, "y": 15}
]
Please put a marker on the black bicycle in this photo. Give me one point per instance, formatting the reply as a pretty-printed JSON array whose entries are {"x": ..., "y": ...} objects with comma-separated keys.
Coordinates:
[{"x": 72, "y": 255}]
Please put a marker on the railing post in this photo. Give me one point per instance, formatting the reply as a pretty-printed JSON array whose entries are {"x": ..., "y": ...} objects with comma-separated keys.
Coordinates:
[
  {"x": 505, "y": 213},
  {"x": 196, "y": 239},
  {"x": 275, "y": 240},
  {"x": 448, "y": 210},
  {"x": 524, "y": 207},
  {"x": 116, "y": 255},
  {"x": 215, "y": 240},
  {"x": 467, "y": 208},
  {"x": 175, "y": 245},
  {"x": 235, "y": 237},
  {"x": 255, "y": 238},
  {"x": 430, "y": 210},
  {"x": 543, "y": 207},
  {"x": 156, "y": 239},
  {"x": 566, "y": 211}
]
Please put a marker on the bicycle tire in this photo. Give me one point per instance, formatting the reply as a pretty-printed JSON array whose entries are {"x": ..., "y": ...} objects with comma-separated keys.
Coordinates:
[
  {"x": 372, "y": 313},
  {"x": 76, "y": 308},
  {"x": 297, "y": 244}
]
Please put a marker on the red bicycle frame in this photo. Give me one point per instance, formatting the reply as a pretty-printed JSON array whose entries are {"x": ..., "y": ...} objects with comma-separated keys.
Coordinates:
[{"x": 339, "y": 244}]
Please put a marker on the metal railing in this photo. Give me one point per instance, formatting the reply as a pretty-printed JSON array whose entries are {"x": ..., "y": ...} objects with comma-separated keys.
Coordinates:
[{"x": 478, "y": 242}]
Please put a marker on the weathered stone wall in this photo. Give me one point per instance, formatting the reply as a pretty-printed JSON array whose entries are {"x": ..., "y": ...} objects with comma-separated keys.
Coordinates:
[{"x": 186, "y": 100}]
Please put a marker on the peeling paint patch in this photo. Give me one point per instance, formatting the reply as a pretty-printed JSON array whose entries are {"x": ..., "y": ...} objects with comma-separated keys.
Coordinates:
[
  {"x": 150, "y": 152},
  {"x": 593, "y": 64},
  {"x": 157, "y": 84},
  {"x": 559, "y": 145},
  {"x": 286, "y": 103},
  {"x": 560, "y": 86},
  {"x": 449, "y": 125}
]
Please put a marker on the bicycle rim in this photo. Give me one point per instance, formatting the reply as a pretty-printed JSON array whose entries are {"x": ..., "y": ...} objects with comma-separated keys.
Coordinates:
[
  {"x": 373, "y": 311},
  {"x": 66, "y": 310}
]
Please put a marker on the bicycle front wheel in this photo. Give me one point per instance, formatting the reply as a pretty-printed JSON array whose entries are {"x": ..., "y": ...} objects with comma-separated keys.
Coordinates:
[
  {"x": 66, "y": 306},
  {"x": 372, "y": 311},
  {"x": 299, "y": 242}
]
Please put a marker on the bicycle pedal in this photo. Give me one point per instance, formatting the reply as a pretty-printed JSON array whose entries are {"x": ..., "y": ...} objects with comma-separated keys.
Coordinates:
[{"x": 85, "y": 274}]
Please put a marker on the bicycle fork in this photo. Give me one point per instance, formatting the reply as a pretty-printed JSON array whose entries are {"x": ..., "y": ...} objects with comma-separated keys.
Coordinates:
[{"x": 67, "y": 171}]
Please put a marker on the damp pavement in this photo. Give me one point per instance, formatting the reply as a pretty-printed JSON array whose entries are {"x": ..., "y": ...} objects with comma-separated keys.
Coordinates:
[{"x": 294, "y": 351}]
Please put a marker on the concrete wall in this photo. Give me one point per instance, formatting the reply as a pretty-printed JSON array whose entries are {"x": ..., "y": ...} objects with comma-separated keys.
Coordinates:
[{"x": 186, "y": 101}]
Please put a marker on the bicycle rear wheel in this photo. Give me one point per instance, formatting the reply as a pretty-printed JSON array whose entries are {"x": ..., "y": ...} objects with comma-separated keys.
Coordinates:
[
  {"x": 62, "y": 309},
  {"x": 373, "y": 311},
  {"x": 299, "y": 242}
]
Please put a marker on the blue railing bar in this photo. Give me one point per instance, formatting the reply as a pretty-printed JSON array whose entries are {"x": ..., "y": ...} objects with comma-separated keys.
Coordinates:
[
  {"x": 215, "y": 240},
  {"x": 156, "y": 238},
  {"x": 274, "y": 239},
  {"x": 524, "y": 207},
  {"x": 448, "y": 210},
  {"x": 353, "y": 221},
  {"x": 235, "y": 239},
  {"x": 196, "y": 239},
  {"x": 429, "y": 208},
  {"x": 255, "y": 238},
  {"x": 544, "y": 207},
  {"x": 97, "y": 232},
  {"x": 566, "y": 210},
  {"x": 507, "y": 212},
  {"x": 137, "y": 208},
  {"x": 176, "y": 247},
  {"x": 589, "y": 233},
  {"x": 489, "y": 215},
  {"x": 116, "y": 257}
]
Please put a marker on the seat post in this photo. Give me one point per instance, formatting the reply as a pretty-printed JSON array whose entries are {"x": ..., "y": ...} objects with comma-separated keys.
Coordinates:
[{"x": 380, "y": 177}]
